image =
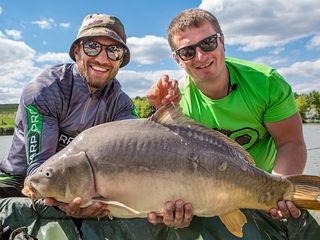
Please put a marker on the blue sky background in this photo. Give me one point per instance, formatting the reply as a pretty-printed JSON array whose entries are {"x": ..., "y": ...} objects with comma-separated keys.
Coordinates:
[{"x": 37, "y": 34}]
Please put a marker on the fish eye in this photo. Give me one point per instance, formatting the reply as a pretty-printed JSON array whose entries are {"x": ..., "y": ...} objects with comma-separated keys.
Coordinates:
[{"x": 48, "y": 173}]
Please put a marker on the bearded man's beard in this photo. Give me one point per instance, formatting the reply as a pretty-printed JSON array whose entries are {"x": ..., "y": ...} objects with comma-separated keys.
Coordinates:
[{"x": 83, "y": 70}]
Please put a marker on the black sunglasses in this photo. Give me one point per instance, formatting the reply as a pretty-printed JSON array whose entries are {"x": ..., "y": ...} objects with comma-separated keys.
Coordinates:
[
  {"x": 93, "y": 48},
  {"x": 207, "y": 45}
]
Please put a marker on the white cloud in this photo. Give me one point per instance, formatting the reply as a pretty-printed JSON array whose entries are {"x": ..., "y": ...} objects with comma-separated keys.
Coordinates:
[
  {"x": 277, "y": 51},
  {"x": 149, "y": 49},
  {"x": 45, "y": 23},
  {"x": 259, "y": 24},
  {"x": 314, "y": 42},
  {"x": 10, "y": 95},
  {"x": 303, "y": 69},
  {"x": 15, "y": 34},
  {"x": 306, "y": 87},
  {"x": 271, "y": 60},
  {"x": 138, "y": 83},
  {"x": 0, "y": 10},
  {"x": 65, "y": 25},
  {"x": 54, "y": 57},
  {"x": 303, "y": 76},
  {"x": 215, "y": 5},
  {"x": 16, "y": 68}
]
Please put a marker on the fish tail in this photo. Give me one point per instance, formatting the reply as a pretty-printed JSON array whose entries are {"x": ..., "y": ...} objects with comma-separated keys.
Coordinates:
[{"x": 306, "y": 191}]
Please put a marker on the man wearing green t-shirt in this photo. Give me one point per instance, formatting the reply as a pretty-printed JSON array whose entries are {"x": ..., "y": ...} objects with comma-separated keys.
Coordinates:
[{"x": 252, "y": 104}]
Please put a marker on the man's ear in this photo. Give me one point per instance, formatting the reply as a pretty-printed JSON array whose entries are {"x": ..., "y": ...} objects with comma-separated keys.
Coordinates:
[
  {"x": 76, "y": 49},
  {"x": 121, "y": 60},
  {"x": 222, "y": 42}
]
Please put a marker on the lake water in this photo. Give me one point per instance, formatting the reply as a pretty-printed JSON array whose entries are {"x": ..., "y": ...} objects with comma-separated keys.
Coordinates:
[{"x": 312, "y": 139}]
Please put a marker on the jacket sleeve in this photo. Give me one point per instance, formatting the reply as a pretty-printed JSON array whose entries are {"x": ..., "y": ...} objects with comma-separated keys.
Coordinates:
[
  {"x": 40, "y": 124},
  {"x": 125, "y": 108}
]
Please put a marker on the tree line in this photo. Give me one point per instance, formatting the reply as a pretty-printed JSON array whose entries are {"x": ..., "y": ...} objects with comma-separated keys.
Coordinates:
[{"x": 308, "y": 105}]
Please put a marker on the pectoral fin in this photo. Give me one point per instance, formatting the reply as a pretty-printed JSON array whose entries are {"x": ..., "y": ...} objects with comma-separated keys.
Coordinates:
[
  {"x": 118, "y": 209},
  {"x": 234, "y": 222},
  {"x": 123, "y": 207}
]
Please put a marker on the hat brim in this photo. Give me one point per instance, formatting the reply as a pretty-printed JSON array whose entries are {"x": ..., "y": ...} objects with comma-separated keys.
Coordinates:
[{"x": 101, "y": 32}]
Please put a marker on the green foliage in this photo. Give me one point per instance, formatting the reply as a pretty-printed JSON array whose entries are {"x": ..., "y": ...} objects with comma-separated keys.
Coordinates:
[
  {"x": 7, "y": 116},
  {"x": 308, "y": 106},
  {"x": 313, "y": 100},
  {"x": 301, "y": 102},
  {"x": 143, "y": 106}
]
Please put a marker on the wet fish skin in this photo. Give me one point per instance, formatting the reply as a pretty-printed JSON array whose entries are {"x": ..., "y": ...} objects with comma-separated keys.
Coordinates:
[{"x": 137, "y": 165}]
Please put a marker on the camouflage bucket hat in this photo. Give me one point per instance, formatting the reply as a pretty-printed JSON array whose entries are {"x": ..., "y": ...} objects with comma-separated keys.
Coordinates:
[{"x": 97, "y": 25}]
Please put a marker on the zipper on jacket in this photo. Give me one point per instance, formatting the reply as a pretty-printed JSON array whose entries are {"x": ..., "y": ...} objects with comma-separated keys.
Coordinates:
[{"x": 86, "y": 106}]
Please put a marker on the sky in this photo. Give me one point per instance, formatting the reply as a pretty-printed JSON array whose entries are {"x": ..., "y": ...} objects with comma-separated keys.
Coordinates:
[{"x": 35, "y": 35}]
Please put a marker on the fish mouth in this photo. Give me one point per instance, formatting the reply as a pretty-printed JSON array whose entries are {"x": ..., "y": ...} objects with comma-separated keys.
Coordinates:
[{"x": 30, "y": 192}]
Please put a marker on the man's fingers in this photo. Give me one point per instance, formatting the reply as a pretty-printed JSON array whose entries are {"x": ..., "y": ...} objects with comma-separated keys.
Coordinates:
[
  {"x": 74, "y": 205},
  {"x": 172, "y": 87},
  {"x": 51, "y": 202},
  {"x": 179, "y": 212},
  {"x": 286, "y": 209},
  {"x": 293, "y": 210},
  {"x": 186, "y": 216},
  {"x": 153, "y": 93},
  {"x": 283, "y": 209},
  {"x": 168, "y": 216},
  {"x": 188, "y": 213},
  {"x": 164, "y": 82},
  {"x": 154, "y": 219}
]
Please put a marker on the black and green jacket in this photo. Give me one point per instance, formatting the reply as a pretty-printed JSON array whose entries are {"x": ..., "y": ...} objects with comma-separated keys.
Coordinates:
[{"x": 56, "y": 107}]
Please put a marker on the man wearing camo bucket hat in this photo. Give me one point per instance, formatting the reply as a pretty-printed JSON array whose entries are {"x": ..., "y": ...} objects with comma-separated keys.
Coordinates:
[
  {"x": 63, "y": 101},
  {"x": 102, "y": 25}
]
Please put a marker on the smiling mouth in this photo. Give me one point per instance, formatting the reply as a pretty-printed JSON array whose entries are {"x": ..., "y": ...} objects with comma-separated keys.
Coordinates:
[
  {"x": 99, "y": 69},
  {"x": 204, "y": 66}
]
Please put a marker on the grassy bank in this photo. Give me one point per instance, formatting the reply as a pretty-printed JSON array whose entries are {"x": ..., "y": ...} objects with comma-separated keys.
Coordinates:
[{"x": 7, "y": 116}]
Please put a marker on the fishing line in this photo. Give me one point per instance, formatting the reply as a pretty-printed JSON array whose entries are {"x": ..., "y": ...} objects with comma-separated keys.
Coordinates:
[{"x": 311, "y": 149}]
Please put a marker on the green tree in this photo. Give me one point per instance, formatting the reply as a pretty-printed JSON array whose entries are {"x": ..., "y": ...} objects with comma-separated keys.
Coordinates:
[
  {"x": 143, "y": 106},
  {"x": 301, "y": 101},
  {"x": 314, "y": 100}
]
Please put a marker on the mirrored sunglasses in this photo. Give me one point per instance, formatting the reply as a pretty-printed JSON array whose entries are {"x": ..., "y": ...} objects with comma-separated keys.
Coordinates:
[
  {"x": 207, "y": 45},
  {"x": 93, "y": 48}
]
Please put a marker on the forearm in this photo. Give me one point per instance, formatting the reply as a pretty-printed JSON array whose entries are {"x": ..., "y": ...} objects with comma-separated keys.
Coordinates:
[{"x": 290, "y": 159}]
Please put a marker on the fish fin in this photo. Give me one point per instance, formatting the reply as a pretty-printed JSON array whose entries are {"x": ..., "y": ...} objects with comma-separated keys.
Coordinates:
[
  {"x": 234, "y": 222},
  {"x": 119, "y": 209},
  {"x": 117, "y": 206},
  {"x": 171, "y": 114},
  {"x": 168, "y": 113},
  {"x": 305, "y": 192}
]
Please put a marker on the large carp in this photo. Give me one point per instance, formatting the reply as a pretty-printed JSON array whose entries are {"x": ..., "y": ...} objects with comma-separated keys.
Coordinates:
[{"x": 136, "y": 165}]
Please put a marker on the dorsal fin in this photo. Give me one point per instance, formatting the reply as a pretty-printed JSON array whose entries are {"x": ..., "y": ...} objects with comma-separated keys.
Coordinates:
[
  {"x": 166, "y": 114},
  {"x": 171, "y": 114}
]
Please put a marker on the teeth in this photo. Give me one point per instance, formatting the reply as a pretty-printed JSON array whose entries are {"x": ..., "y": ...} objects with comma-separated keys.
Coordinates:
[
  {"x": 99, "y": 69},
  {"x": 204, "y": 66}
]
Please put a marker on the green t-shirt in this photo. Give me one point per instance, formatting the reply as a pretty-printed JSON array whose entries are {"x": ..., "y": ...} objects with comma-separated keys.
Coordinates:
[{"x": 262, "y": 95}]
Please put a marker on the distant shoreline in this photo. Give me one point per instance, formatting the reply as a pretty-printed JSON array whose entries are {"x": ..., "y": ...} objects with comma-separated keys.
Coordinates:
[{"x": 9, "y": 131}]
